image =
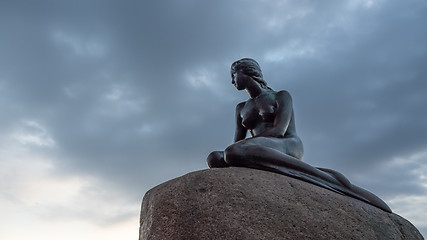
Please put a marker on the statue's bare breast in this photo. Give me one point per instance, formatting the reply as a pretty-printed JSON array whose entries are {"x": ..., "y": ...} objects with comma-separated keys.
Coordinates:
[{"x": 258, "y": 114}]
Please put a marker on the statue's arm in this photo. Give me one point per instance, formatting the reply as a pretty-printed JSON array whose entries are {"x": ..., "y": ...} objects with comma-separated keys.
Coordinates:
[
  {"x": 283, "y": 116},
  {"x": 241, "y": 131}
]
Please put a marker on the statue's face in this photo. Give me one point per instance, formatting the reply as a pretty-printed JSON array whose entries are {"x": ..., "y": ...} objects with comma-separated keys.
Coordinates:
[{"x": 240, "y": 80}]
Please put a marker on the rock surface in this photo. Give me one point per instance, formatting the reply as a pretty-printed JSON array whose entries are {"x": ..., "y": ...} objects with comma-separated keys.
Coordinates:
[{"x": 240, "y": 203}]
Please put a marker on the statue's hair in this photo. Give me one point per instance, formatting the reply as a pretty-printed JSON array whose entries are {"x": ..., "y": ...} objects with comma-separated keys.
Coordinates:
[{"x": 251, "y": 68}]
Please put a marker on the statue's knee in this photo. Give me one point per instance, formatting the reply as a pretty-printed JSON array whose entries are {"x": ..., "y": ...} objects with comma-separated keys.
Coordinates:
[
  {"x": 233, "y": 155},
  {"x": 216, "y": 159}
]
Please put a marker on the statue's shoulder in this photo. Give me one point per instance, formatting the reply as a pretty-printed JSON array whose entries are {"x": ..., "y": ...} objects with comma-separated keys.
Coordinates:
[{"x": 283, "y": 94}]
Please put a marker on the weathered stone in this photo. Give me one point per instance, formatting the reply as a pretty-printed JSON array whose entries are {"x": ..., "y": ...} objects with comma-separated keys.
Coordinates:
[{"x": 241, "y": 203}]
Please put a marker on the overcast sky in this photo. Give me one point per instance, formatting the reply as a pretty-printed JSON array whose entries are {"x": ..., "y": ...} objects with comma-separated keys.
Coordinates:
[{"x": 102, "y": 100}]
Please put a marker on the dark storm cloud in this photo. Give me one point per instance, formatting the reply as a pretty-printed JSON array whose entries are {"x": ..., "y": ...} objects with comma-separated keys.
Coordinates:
[
  {"x": 65, "y": 59},
  {"x": 373, "y": 89},
  {"x": 139, "y": 91}
]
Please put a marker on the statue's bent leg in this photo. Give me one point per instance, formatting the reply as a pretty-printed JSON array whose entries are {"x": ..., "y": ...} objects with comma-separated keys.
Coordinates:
[
  {"x": 261, "y": 154},
  {"x": 268, "y": 154}
]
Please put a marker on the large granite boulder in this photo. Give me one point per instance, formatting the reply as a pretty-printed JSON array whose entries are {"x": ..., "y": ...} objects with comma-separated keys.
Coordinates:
[{"x": 241, "y": 203}]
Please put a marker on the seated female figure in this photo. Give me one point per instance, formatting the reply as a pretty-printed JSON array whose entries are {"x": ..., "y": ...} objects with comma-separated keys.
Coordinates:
[
  {"x": 268, "y": 115},
  {"x": 274, "y": 144}
]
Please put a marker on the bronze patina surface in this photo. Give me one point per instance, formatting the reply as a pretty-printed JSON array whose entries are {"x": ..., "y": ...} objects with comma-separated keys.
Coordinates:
[{"x": 274, "y": 144}]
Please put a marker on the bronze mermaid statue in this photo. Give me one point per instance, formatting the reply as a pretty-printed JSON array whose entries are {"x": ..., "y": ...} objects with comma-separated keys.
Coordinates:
[{"x": 274, "y": 144}]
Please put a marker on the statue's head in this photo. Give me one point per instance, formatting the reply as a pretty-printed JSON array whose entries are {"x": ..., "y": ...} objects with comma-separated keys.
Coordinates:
[{"x": 251, "y": 68}]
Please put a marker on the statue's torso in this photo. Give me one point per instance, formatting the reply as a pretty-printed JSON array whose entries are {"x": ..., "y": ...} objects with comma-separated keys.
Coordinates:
[{"x": 258, "y": 114}]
